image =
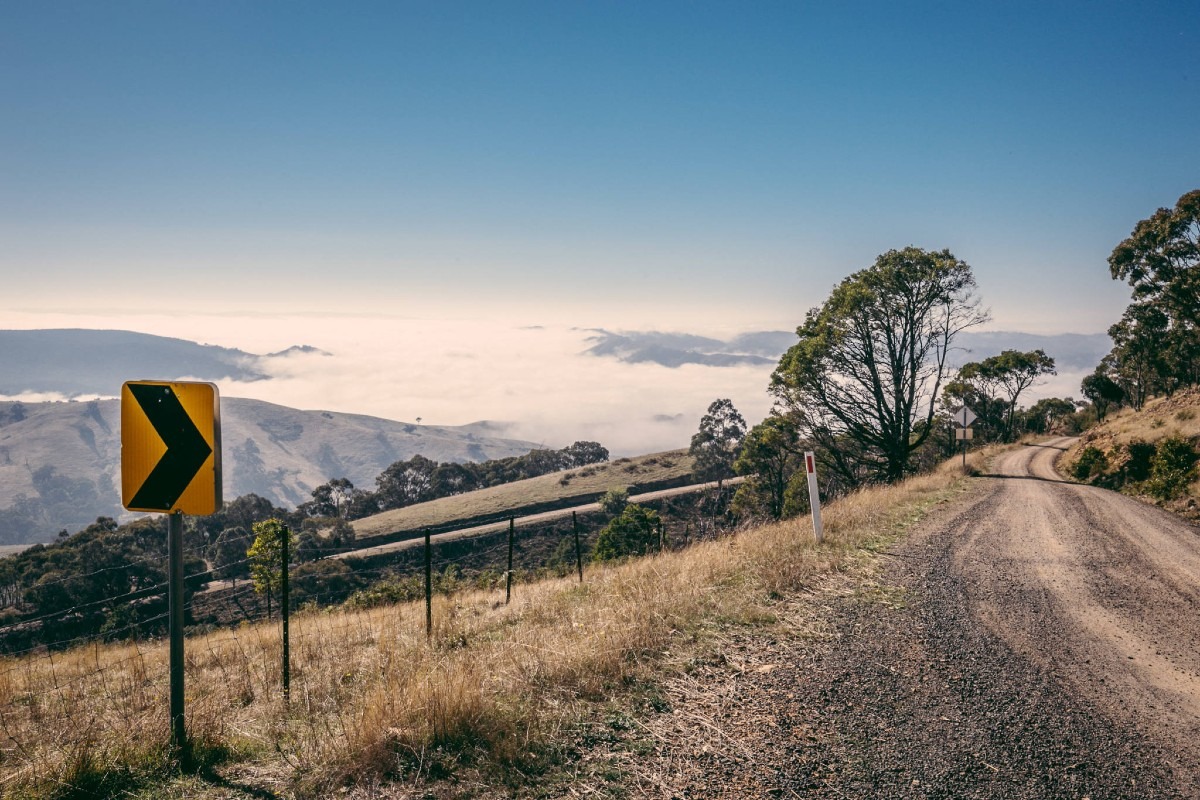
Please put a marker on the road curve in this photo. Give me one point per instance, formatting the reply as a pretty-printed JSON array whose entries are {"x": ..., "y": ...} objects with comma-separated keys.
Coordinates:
[
  {"x": 1096, "y": 587},
  {"x": 1034, "y": 639}
]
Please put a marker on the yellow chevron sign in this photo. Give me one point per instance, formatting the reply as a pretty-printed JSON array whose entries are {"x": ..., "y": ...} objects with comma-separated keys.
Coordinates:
[{"x": 171, "y": 447}]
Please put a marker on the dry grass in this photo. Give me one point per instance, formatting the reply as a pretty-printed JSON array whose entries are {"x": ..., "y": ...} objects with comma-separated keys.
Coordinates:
[
  {"x": 499, "y": 500},
  {"x": 1178, "y": 415},
  {"x": 1160, "y": 418},
  {"x": 498, "y": 689}
]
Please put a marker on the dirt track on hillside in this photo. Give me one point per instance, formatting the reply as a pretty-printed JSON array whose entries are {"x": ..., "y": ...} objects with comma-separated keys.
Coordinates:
[
  {"x": 531, "y": 519},
  {"x": 1039, "y": 639}
]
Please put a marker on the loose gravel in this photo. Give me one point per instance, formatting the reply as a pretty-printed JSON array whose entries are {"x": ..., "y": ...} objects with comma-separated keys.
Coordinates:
[{"x": 1020, "y": 644}]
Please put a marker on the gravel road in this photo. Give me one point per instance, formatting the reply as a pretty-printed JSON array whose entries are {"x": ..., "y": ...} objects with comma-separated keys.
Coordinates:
[{"x": 1038, "y": 639}]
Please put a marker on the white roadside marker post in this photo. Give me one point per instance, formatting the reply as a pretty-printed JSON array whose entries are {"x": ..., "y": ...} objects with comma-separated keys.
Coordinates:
[{"x": 814, "y": 497}]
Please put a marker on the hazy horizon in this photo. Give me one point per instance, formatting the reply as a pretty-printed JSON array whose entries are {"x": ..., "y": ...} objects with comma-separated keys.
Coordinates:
[
  {"x": 538, "y": 379},
  {"x": 417, "y": 188}
]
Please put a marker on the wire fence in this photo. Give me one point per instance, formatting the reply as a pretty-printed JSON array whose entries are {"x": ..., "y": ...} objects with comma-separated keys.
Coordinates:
[{"x": 123, "y": 667}]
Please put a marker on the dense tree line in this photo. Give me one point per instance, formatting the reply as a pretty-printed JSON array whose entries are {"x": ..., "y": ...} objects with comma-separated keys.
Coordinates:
[
  {"x": 107, "y": 578},
  {"x": 420, "y": 479}
]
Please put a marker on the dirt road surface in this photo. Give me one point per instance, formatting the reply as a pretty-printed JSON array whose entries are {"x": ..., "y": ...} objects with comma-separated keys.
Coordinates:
[{"x": 1039, "y": 639}]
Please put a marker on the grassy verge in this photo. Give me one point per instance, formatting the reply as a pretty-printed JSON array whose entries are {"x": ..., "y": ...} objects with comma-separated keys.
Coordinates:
[{"x": 501, "y": 693}]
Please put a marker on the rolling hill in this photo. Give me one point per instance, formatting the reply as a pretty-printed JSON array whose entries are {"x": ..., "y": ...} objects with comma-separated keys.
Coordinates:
[
  {"x": 60, "y": 462},
  {"x": 75, "y": 362}
]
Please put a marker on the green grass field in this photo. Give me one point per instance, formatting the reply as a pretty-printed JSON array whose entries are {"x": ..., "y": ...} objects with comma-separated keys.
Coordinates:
[{"x": 583, "y": 483}]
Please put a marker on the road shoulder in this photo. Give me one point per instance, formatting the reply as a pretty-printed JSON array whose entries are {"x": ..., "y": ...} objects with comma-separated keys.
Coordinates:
[{"x": 882, "y": 685}]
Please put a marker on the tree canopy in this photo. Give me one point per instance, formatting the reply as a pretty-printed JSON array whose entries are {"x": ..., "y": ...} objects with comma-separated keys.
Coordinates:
[
  {"x": 1157, "y": 341},
  {"x": 715, "y": 446},
  {"x": 266, "y": 557},
  {"x": 1161, "y": 260},
  {"x": 769, "y": 457},
  {"x": 634, "y": 533},
  {"x": 865, "y": 375},
  {"x": 992, "y": 387}
]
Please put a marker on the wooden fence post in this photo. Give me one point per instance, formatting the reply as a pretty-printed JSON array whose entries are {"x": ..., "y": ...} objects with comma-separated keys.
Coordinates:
[
  {"x": 578, "y": 553},
  {"x": 285, "y": 608},
  {"x": 508, "y": 575},
  {"x": 428, "y": 587}
]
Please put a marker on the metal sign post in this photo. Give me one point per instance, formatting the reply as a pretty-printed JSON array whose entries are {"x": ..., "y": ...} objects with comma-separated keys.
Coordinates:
[
  {"x": 171, "y": 462},
  {"x": 175, "y": 628},
  {"x": 814, "y": 496},
  {"x": 964, "y": 433}
]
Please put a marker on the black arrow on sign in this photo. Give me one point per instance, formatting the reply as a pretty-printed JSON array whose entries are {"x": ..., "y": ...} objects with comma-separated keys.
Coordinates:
[{"x": 186, "y": 448}]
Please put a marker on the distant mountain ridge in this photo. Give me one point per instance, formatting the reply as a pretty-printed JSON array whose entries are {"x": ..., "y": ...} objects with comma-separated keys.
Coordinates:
[
  {"x": 1072, "y": 352},
  {"x": 60, "y": 462},
  {"x": 75, "y": 362}
]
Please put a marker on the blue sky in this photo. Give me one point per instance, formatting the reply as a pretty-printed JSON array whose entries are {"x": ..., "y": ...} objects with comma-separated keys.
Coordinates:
[
  {"x": 697, "y": 164},
  {"x": 263, "y": 174}
]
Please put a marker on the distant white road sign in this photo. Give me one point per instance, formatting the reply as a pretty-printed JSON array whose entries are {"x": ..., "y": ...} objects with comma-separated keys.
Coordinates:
[{"x": 964, "y": 416}]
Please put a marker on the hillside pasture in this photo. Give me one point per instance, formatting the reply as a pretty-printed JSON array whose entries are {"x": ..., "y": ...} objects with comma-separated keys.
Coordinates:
[
  {"x": 555, "y": 490},
  {"x": 499, "y": 693}
]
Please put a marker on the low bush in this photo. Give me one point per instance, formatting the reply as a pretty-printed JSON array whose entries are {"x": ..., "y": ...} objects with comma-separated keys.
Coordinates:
[
  {"x": 634, "y": 533},
  {"x": 1172, "y": 468},
  {"x": 1137, "y": 466},
  {"x": 614, "y": 500},
  {"x": 1092, "y": 461}
]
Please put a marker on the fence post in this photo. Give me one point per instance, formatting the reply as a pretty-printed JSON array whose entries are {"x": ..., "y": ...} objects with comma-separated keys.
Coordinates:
[
  {"x": 285, "y": 608},
  {"x": 578, "y": 554},
  {"x": 428, "y": 587},
  {"x": 508, "y": 575}
]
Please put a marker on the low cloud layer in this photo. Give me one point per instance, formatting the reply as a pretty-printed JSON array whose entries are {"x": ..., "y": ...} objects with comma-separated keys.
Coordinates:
[
  {"x": 677, "y": 349},
  {"x": 635, "y": 392},
  {"x": 540, "y": 382}
]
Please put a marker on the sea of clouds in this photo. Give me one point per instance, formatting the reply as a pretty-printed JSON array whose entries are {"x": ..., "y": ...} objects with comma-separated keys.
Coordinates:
[{"x": 635, "y": 392}]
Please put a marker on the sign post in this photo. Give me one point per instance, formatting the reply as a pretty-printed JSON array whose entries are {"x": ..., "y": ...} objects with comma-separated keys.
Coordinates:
[
  {"x": 171, "y": 463},
  {"x": 963, "y": 418},
  {"x": 175, "y": 626},
  {"x": 814, "y": 496}
]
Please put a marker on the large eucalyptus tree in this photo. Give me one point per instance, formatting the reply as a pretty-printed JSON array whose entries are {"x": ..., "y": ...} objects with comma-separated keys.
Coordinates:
[{"x": 865, "y": 375}]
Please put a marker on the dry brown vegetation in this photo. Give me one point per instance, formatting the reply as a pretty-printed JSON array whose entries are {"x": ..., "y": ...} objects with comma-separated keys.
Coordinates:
[
  {"x": 499, "y": 500},
  {"x": 1159, "y": 419},
  {"x": 500, "y": 693}
]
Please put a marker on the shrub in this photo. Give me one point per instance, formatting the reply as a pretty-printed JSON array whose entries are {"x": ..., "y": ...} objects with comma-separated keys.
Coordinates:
[
  {"x": 387, "y": 592},
  {"x": 634, "y": 533},
  {"x": 1172, "y": 468},
  {"x": 1137, "y": 468},
  {"x": 1092, "y": 461},
  {"x": 562, "y": 559},
  {"x": 613, "y": 501}
]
